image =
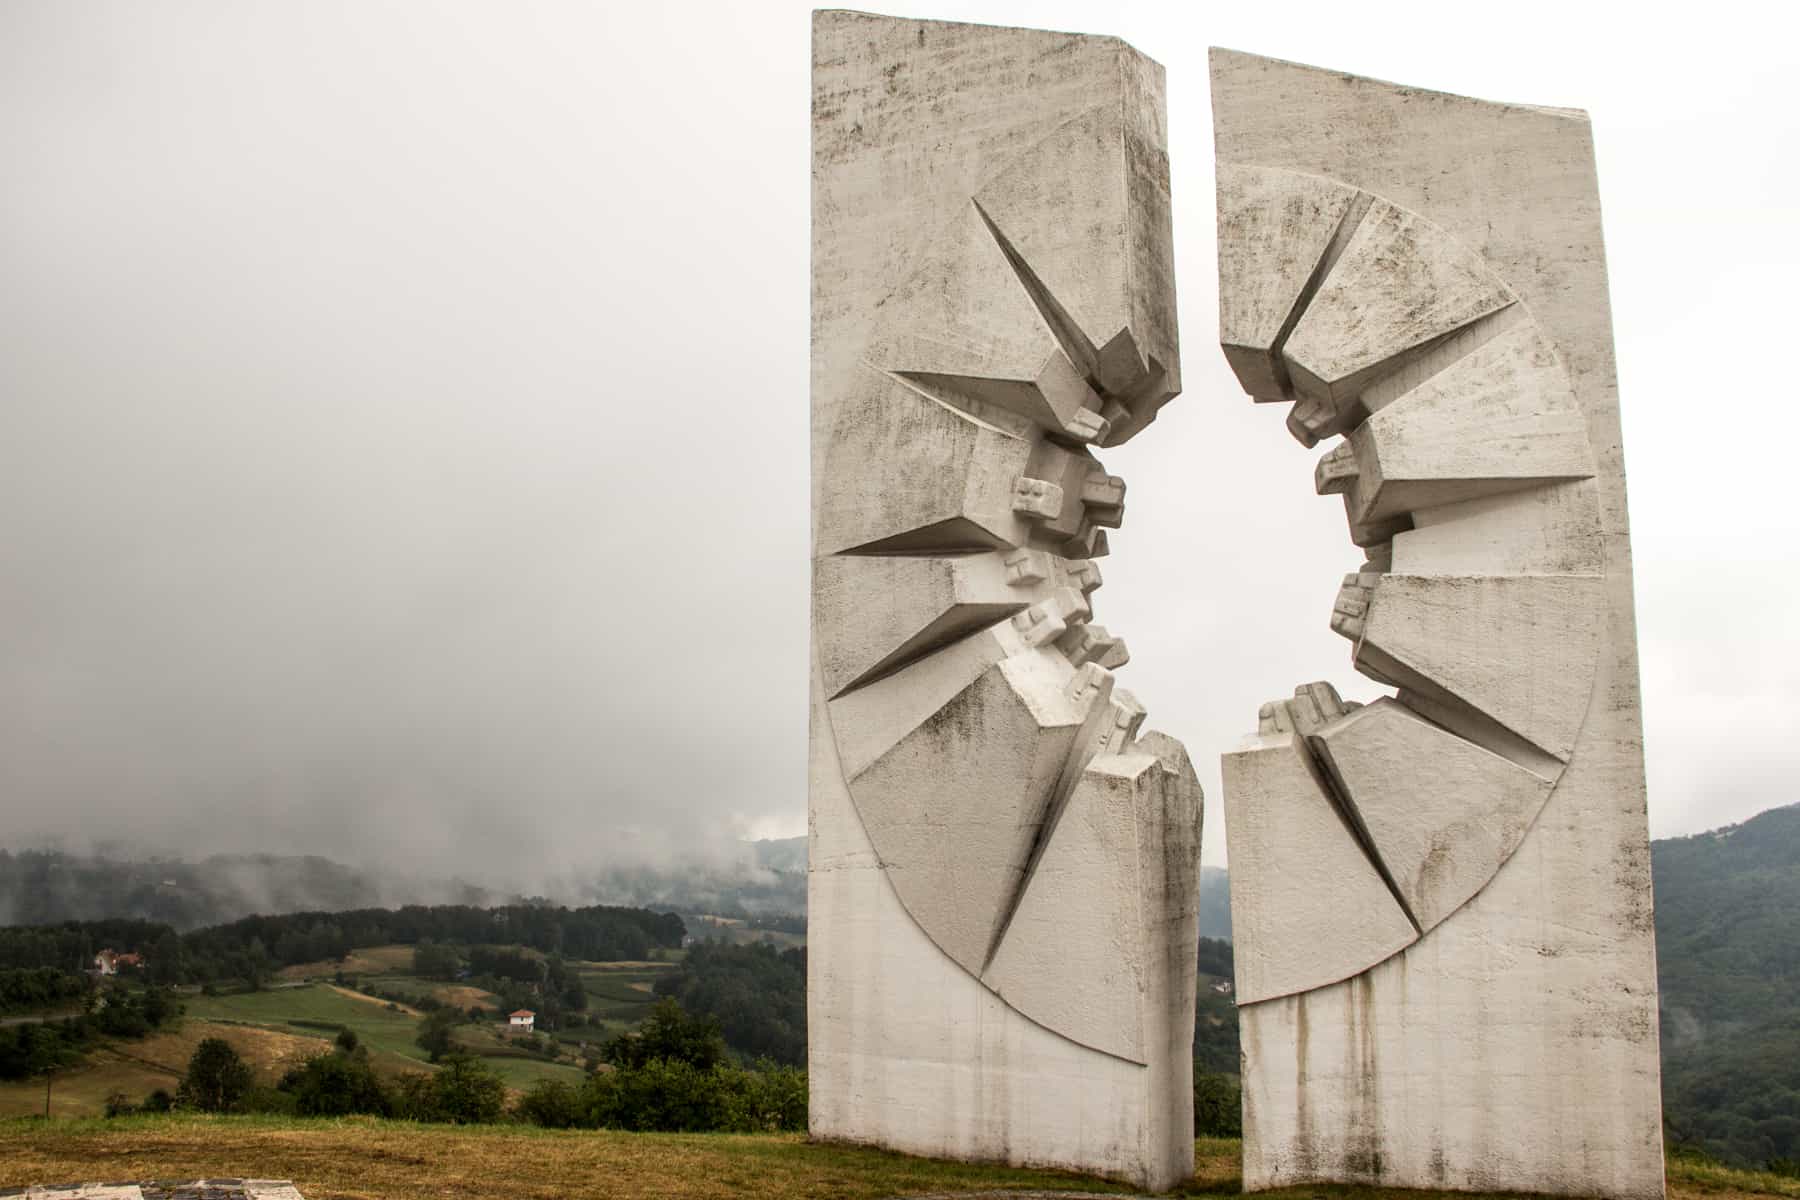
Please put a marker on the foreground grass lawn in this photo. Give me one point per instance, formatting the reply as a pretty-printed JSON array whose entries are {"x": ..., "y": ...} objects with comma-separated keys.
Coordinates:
[{"x": 362, "y": 1159}]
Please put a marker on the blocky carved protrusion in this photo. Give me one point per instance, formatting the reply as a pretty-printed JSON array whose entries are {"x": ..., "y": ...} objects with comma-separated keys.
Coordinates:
[
  {"x": 1084, "y": 573},
  {"x": 1037, "y": 499},
  {"x": 1025, "y": 567},
  {"x": 1350, "y": 611}
]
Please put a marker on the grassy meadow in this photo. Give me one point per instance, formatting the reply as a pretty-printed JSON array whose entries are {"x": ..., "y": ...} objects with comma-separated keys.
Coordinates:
[
  {"x": 296, "y": 1018},
  {"x": 359, "y": 1158}
]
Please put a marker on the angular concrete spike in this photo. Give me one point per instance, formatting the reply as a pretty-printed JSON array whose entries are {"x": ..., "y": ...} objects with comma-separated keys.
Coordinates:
[
  {"x": 1050, "y": 203},
  {"x": 1519, "y": 648},
  {"x": 869, "y": 721},
  {"x": 954, "y": 821},
  {"x": 897, "y": 464},
  {"x": 1553, "y": 530},
  {"x": 1058, "y": 401},
  {"x": 1308, "y": 908},
  {"x": 1274, "y": 228},
  {"x": 886, "y": 612},
  {"x": 963, "y": 312},
  {"x": 1442, "y": 813},
  {"x": 1400, "y": 285},
  {"x": 1501, "y": 419},
  {"x": 1073, "y": 955}
]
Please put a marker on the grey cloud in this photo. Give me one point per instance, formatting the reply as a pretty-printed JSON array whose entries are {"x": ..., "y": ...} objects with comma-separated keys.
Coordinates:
[{"x": 403, "y": 420}]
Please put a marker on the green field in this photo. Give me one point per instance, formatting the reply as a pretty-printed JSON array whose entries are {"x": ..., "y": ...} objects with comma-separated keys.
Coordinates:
[
  {"x": 313, "y": 1006},
  {"x": 619, "y": 996},
  {"x": 379, "y": 1026}
]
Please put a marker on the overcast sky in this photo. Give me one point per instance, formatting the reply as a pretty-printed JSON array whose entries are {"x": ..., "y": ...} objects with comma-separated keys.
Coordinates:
[{"x": 403, "y": 414}]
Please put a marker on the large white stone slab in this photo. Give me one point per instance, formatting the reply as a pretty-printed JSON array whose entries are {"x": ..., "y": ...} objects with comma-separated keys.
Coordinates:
[
  {"x": 992, "y": 300},
  {"x": 1513, "y": 1046}
]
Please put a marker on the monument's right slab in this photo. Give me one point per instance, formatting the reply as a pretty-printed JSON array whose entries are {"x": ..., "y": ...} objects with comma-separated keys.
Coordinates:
[{"x": 1446, "y": 956}]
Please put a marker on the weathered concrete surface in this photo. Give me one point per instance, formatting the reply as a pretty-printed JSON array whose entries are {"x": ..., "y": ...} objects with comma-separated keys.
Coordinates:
[
  {"x": 1004, "y": 872},
  {"x": 1457, "y": 336},
  {"x": 1307, "y": 906}
]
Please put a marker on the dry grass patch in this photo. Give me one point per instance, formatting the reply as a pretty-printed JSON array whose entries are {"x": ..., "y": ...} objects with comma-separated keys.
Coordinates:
[
  {"x": 372, "y": 960},
  {"x": 361, "y": 1159},
  {"x": 367, "y": 1159},
  {"x": 139, "y": 1068},
  {"x": 464, "y": 997}
]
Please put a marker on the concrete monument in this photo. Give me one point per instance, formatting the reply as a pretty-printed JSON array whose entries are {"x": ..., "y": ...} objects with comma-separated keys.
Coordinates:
[
  {"x": 1003, "y": 871},
  {"x": 1445, "y": 956}
]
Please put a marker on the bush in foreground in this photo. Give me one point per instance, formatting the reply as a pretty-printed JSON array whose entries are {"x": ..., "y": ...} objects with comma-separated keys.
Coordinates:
[
  {"x": 673, "y": 1096},
  {"x": 463, "y": 1091},
  {"x": 337, "y": 1085}
]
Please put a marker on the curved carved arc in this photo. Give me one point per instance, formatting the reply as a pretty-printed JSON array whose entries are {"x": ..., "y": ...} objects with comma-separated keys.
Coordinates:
[
  {"x": 1467, "y": 474},
  {"x": 967, "y": 689},
  {"x": 1103, "y": 987}
]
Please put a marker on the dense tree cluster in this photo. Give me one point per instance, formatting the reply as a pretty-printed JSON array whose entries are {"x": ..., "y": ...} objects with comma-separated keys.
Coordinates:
[
  {"x": 37, "y": 989},
  {"x": 756, "y": 993},
  {"x": 115, "y": 1011}
]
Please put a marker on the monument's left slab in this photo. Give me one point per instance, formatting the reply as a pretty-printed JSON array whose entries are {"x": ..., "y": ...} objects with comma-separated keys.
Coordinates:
[{"x": 1003, "y": 872}]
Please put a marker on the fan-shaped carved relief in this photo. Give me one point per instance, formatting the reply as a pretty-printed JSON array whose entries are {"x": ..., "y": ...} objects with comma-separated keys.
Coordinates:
[
  {"x": 995, "y": 767},
  {"x": 1467, "y": 481}
]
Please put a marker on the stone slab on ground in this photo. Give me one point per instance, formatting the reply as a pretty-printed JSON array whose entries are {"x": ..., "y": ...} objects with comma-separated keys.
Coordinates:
[{"x": 199, "y": 1189}]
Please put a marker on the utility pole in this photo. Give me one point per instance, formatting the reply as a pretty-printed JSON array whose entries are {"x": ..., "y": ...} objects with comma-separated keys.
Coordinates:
[{"x": 48, "y": 1076}]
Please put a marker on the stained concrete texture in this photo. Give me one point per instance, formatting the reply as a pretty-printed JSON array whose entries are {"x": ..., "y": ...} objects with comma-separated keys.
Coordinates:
[
  {"x": 1004, "y": 868},
  {"x": 1453, "y": 330}
]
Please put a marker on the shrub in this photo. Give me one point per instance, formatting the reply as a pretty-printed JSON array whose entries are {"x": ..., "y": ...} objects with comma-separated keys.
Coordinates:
[
  {"x": 159, "y": 1101},
  {"x": 666, "y": 1095},
  {"x": 464, "y": 1091},
  {"x": 551, "y": 1103},
  {"x": 669, "y": 1095},
  {"x": 434, "y": 1033},
  {"x": 1218, "y": 1105},
  {"x": 669, "y": 1034},
  {"x": 336, "y": 1085},
  {"x": 118, "y": 1104},
  {"x": 769, "y": 1099},
  {"x": 217, "y": 1080}
]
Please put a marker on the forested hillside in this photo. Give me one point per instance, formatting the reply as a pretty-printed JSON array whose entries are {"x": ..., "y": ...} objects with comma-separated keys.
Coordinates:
[
  {"x": 1728, "y": 957},
  {"x": 48, "y": 887}
]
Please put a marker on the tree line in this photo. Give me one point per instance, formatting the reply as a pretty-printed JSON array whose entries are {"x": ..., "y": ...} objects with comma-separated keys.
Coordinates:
[{"x": 254, "y": 947}]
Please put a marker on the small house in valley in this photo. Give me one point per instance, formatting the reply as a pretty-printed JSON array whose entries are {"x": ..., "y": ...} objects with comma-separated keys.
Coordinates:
[{"x": 524, "y": 1019}]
